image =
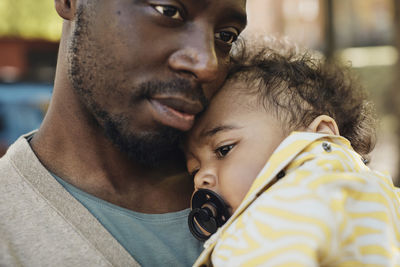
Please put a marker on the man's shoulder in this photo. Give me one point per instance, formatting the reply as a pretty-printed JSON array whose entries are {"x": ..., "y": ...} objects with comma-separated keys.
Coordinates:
[
  {"x": 6, "y": 169},
  {"x": 9, "y": 172},
  {"x": 42, "y": 224},
  {"x": 14, "y": 185},
  {"x": 13, "y": 164}
]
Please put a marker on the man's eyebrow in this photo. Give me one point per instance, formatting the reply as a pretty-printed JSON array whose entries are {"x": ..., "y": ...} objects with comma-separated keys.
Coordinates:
[
  {"x": 236, "y": 15},
  {"x": 217, "y": 129}
]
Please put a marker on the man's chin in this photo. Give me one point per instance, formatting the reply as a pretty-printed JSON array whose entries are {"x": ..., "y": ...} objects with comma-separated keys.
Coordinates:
[
  {"x": 152, "y": 155},
  {"x": 150, "y": 149}
]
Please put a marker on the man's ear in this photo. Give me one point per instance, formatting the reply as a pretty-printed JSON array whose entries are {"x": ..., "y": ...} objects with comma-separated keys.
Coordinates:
[
  {"x": 323, "y": 124},
  {"x": 65, "y": 8}
]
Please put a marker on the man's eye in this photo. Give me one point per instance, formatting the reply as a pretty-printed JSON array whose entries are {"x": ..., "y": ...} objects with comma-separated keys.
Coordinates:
[
  {"x": 226, "y": 36},
  {"x": 223, "y": 150},
  {"x": 169, "y": 11}
]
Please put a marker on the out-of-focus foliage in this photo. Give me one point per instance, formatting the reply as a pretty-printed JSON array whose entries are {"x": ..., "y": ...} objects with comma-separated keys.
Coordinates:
[{"x": 29, "y": 19}]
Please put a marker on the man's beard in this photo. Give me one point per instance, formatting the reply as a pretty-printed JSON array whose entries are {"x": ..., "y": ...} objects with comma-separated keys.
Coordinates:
[{"x": 149, "y": 148}]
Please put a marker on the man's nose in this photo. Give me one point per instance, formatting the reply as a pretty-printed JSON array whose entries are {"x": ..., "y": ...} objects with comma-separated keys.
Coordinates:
[
  {"x": 205, "y": 179},
  {"x": 197, "y": 56}
]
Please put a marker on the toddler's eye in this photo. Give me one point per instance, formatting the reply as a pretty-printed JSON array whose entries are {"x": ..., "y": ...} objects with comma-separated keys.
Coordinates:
[
  {"x": 222, "y": 151},
  {"x": 169, "y": 11}
]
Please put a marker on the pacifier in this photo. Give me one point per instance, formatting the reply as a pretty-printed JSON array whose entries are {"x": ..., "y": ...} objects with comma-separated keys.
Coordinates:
[{"x": 209, "y": 212}]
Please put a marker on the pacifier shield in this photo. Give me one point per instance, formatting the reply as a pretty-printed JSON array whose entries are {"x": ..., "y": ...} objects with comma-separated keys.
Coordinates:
[{"x": 209, "y": 212}]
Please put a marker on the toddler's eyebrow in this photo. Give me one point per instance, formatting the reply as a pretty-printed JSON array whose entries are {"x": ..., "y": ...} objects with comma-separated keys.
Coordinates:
[{"x": 217, "y": 129}]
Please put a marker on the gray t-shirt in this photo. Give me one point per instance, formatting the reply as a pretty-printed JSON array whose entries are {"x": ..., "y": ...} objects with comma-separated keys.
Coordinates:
[{"x": 152, "y": 239}]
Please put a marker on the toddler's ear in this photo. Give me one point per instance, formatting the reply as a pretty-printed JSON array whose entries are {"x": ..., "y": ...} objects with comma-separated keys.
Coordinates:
[{"x": 323, "y": 124}]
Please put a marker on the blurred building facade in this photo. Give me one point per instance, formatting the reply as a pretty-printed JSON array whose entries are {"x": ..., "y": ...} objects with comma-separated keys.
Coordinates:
[{"x": 27, "y": 60}]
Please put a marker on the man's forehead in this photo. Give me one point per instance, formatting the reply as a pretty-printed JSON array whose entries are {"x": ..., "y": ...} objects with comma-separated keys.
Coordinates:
[
  {"x": 237, "y": 3},
  {"x": 228, "y": 9}
]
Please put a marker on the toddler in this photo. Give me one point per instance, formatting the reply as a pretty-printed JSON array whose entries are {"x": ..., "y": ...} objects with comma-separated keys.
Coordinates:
[{"x": 281, "y": 150}]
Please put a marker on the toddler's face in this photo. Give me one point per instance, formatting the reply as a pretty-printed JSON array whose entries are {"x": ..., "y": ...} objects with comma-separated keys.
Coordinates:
[{"x": 230, "y": 144}]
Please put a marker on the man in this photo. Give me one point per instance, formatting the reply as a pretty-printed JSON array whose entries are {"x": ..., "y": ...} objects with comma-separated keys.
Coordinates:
[{"x": 101, "y": 183}]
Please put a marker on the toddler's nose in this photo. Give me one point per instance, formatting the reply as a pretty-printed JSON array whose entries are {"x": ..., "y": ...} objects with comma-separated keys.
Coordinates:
[{"x": 205, "y": 180}]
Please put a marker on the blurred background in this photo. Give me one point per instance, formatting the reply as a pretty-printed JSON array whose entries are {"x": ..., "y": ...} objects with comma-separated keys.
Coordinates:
[{"x": 363, "y": 33}]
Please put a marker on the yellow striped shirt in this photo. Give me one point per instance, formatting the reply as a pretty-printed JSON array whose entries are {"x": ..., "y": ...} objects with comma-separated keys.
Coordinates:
[{"x": 328, "y": 210}]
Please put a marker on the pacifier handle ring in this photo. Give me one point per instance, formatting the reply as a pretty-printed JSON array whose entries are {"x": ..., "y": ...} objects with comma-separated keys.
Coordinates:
[
  {"x": 193, "y": 229},
  {"x": 203, "y": 196}
]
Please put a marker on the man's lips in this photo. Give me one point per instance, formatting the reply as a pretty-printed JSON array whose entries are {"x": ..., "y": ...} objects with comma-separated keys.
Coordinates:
[
  {"x": 175, "y": 112},
  {"x": 180, "y": 104}
]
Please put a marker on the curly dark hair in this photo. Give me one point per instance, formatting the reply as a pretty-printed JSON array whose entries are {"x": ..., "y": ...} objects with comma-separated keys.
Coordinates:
[{"x": 298, "y": 87}]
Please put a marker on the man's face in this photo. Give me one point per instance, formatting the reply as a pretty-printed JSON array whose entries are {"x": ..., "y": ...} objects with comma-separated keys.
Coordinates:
[{"x": 144, "y": 68}]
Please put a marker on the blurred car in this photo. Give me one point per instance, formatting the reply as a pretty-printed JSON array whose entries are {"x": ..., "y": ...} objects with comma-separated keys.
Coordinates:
[{"x": 22, "y": 108}]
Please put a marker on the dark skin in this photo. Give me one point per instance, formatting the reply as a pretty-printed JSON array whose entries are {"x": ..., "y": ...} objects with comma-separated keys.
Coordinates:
[{"x": 125, "y": 43}]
